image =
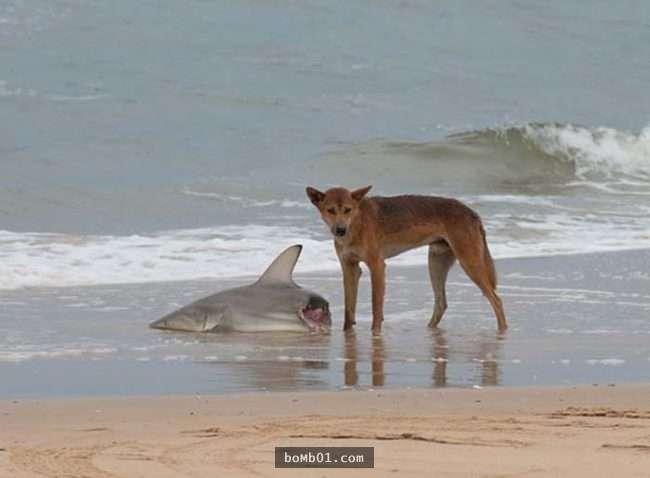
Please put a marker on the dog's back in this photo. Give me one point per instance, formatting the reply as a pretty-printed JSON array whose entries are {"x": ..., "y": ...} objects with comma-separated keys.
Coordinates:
[{"x": 399, "y": 213}]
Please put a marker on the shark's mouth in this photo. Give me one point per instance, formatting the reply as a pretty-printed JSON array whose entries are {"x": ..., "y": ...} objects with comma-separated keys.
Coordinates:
[{"x": 317, "y": 319}]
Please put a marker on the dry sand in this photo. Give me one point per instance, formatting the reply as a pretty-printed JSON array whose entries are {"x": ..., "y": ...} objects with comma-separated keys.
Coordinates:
[{"x": 580, "y": 431}]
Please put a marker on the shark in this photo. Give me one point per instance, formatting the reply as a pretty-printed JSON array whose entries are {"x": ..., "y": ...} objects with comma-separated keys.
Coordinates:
[{"x": 273, "y": 303}]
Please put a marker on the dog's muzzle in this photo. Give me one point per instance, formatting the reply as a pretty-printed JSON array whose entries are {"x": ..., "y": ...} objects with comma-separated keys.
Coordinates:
[{"x": 339, "y": 231}]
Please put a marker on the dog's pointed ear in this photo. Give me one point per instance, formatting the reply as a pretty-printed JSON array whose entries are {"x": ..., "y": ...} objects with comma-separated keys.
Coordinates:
[
  {"x": 315, "y": 196},
  {"x": 358, "y": 194}
]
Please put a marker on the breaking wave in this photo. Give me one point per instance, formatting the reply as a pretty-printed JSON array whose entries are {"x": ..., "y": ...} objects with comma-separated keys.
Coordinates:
[
  {"x": 600, "y": 153},
  {"x": 529, "y": 154},
  {"x": 62, "y": 260},
  {"x": 521, "y": 222}
]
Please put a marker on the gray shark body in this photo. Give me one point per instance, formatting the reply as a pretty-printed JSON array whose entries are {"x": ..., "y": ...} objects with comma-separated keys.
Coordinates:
[{"x": 273, "y": 303}]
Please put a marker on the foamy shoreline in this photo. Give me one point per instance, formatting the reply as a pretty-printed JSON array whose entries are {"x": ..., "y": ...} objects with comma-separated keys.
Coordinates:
[{"x": 35, "y": 260}]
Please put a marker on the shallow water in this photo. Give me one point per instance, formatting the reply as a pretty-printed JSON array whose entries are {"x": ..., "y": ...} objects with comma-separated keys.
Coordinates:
[{"x": 573, "y": 319}]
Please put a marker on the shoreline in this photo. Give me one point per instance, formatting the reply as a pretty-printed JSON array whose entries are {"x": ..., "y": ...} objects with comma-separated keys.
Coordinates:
[
  {"x": 239, "y": 396},
  {"x": 243, "y": 395},
  {"x": 549, "y": 431},
  {"x": 573, "y": 319}
]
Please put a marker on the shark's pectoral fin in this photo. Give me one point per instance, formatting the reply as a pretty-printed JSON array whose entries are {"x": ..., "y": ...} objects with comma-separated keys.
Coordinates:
[{"x": 217, "y": 319}]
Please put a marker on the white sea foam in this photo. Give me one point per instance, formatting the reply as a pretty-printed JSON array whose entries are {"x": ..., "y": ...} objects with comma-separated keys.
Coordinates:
[
  {"x": 23, "y": 353},
  {"x": 560, "y": 331},
  {"x": 247, "y": 202},
  {"x": 9, "y": 91},
  {"x": 602, "y": 331},
  {"x": 35, "y": 259},
  {"x": 19, "y": 18},
  {"x": 611, "y": 361},
  {"x": 176, "y": 358},
  {"x": 52, "y": 260},
  {"x": 510, "y": 198},
  {"x": 63, "y": 98},
  {"x": 600, "y": 151}
]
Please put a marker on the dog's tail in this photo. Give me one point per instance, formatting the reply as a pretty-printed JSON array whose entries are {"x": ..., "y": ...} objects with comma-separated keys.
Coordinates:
[{"x": 487, "y": 257}]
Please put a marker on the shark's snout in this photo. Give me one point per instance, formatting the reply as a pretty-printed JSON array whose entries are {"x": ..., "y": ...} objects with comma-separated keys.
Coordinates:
[{"x": 158, "y": 324}]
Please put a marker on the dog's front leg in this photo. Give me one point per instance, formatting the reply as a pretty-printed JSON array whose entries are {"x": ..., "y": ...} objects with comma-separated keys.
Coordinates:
[
  {"x": 377, "y": 279},
  {"x": 351, "y": 275}
]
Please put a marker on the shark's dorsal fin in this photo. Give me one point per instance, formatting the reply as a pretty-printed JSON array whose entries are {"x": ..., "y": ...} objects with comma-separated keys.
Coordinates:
[{"x": 281, "y": 269}]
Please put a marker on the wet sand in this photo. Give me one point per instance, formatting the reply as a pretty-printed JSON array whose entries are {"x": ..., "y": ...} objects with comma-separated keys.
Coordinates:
[
  {"x": 573, "y": 319},
  {"x": 579, "y": 431}
]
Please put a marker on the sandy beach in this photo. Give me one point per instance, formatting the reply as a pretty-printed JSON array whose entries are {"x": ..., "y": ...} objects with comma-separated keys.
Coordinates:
[{"x": 574, "y": 431}]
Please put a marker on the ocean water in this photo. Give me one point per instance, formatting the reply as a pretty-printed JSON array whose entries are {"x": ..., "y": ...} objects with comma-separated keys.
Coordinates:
[
  {"x": 154, "y": 142},
  {"x": 164, "y": 141}
]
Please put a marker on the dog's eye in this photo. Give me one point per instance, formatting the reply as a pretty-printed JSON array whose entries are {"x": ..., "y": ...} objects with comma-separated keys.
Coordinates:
[
  {"x": 332, "y": 210},
  {"x": 347, "y": 210}
]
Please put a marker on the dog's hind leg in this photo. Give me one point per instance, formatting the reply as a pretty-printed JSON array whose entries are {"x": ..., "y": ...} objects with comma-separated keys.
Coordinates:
[
  {"x": 441, "y": 259},
  {"x": 474, "y": 257}
]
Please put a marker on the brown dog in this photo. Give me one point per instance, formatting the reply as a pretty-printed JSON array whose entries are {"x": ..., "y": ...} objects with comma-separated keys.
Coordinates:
[{"x": 373, "y": 229}]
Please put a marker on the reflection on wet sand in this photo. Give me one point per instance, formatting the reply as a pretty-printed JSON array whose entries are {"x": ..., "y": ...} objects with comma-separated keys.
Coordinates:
[
  {"x": 350, "y": 374},
  {"x": 488, "y": 358},
  {"x": 400, "y": 357},
  {"x": 277, "y": 376},
  {"x": 270, "y": 361},
  {"x": 378, "y": 356},
  {"x": 484, "y": 351},
  {"x": 440, "y": 357}
]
